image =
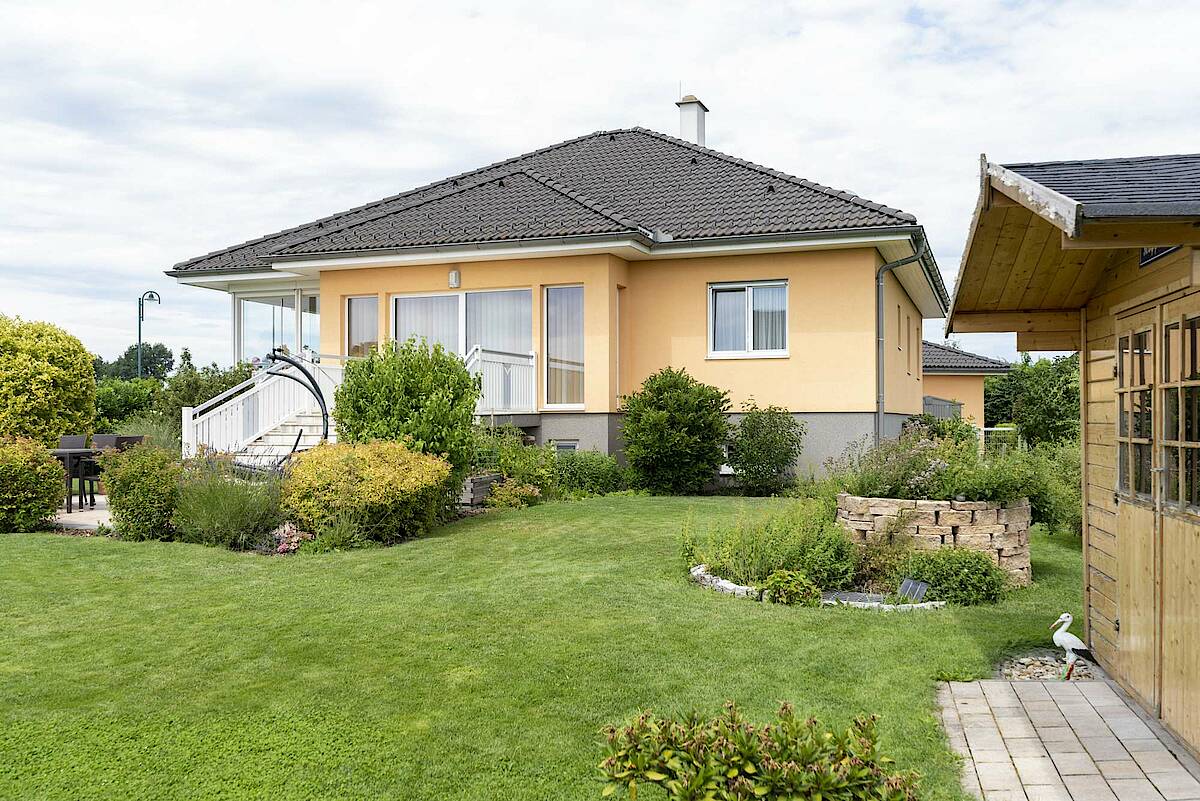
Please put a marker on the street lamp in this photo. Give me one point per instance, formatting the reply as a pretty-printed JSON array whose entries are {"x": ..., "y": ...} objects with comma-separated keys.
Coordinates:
[{"x": 151, "y": 295}]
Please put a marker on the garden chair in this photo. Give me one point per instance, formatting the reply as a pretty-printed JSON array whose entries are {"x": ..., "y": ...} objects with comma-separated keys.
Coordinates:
[
  {"x": 72, "y": 441},
  {"x": 89, "y": 467}
]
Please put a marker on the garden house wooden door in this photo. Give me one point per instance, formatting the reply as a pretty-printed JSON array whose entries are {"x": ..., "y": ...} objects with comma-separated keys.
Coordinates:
[{"x": 1158, "y": 523}]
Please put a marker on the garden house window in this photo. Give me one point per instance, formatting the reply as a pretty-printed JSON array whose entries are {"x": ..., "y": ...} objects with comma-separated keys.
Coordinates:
[{"x": 748, "y": 319}]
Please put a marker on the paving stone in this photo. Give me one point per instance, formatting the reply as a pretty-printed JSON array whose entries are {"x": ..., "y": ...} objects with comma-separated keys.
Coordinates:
[
  {"x": 1107, "y": 748},
  {"x": 1025, "y": 746},
  {"x": 1031, "y": 691},
  {"x": 977, "y": 720},
  {"x": 1074, "y": 764},
  {"x": 1143, "y": 745},
  {"x": 1130, "y": 730},
  {"x": 1175, "y": 785},
  {"x": 1047, "y": 792},
  {"x": 1064, "y": 747},
  {"x": 1004, "y": 795},
  {"x": 1100, "y": 694},
  {"x": 1120, "y": 769},
  {"x": 965, "y": 705},
  {"x": 1052, "y": 734},
  {"x": 1135, "y": 790},
  {"x": 1157, "y": 761},
  {"x": 997, "y": 776},
  {"x": 1036, "y": 770},
  {"x": 966, "y": 689},
  {"x": 970, "y": 781},
  {"x": 1016, "y": 727},
  {"x": 991, "y": 755},
  {"x": 1089, "y": 788}
]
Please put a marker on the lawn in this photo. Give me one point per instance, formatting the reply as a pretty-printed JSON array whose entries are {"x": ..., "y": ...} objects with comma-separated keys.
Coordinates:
[{"x": 476, "y": 664}]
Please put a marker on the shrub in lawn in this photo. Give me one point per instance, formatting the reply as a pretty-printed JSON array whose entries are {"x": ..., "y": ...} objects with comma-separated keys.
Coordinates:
[
  {"x": 674, "y": 429},
  {"x": 588, "y": 473},
  {"x": 218, "y": 507},
  {"x": 118, "y": 399},
  {"x": 791, "y": 587},
  {"x": 32, "y": 485},
  {"x": 512, "y": 494},
  {"x": 503, "y": 450},
  {"x": 796, "y": 535},
  {"x": 143, "y": 490},
  {"x": 384, "y": 490},
  {"x": 764, "y": 447},
  {"x": 47, "y": 382},
  {"x": 958, "y": 576},
  {"x": 729, "y": 759},
  {"x": 413, "y": 392}
]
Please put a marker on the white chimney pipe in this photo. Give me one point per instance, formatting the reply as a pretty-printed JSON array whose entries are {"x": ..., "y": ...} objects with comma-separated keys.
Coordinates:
[{"x": 691, "y": 119}]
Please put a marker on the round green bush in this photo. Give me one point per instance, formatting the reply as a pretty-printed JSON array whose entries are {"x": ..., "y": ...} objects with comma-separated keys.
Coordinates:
[
  {"x": 675, "y": 428},
  {"x": 379, "y": 491},
  {"x": 47, "y": 382},
  {"x": 32, "y": 485},
  {"x": 410, "y": 390},
  {"x": 958, "y": 576},
  {"x": 143, "y": 490},
  {"x": 764, "y": 447},
  {"x": 791, "y": 587}
]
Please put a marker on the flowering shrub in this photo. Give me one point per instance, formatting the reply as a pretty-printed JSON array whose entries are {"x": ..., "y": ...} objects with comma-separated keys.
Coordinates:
[
  {"x": 32, "y": 485},
  {"x": 729, "y": 759},
  {"x": 512, "y": 494},
  {"x": 288, "y": 538}
]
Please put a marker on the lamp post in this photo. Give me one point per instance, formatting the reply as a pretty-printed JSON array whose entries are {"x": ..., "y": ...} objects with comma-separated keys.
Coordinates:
[{"x": 150, "y": 295}]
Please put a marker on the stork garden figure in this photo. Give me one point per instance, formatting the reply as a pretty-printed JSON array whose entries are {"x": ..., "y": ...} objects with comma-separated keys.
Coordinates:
[{"x": 1067, "y": 641}]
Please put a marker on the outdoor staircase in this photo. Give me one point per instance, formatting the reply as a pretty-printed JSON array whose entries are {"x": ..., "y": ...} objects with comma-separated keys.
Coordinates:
[{"x": 271, "y": 447}]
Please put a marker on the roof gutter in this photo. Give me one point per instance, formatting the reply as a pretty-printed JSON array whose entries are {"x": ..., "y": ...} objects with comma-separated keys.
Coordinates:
[{"x": 883, "y": 270}]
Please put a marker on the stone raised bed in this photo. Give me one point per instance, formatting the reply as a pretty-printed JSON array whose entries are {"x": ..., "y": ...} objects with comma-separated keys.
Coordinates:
[{"x": 999, "y": 530}]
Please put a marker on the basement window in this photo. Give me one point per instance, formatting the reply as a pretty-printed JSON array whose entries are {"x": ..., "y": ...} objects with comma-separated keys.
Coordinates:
[{"x": 747, "y": 320}]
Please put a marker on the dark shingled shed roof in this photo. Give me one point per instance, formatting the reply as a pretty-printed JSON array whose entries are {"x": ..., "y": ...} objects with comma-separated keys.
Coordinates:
[
  {"x": 937, "y": 358},
  {"x": 631, "y": 181},
  {"x": 1149, "y": 186}
]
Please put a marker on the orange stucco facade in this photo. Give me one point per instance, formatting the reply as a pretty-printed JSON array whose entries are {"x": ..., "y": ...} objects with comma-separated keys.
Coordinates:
[{"x": 966, "y": 389}]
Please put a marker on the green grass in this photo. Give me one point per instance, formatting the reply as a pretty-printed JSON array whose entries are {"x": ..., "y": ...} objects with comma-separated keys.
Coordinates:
[{"x": 476, "y": 664}]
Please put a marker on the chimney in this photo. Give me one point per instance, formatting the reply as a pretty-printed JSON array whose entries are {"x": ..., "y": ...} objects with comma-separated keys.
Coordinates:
[{"x": 691, "y": 119}]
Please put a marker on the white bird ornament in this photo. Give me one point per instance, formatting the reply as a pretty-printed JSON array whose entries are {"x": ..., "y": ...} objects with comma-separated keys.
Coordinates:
[{"x": 1075, "y": 647}]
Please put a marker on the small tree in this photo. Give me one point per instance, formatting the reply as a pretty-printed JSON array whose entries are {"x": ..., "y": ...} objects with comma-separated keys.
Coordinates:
[
  {"x": 674, "y": 430},
  {"x": 410, "y": 390},
  {"x": 157, "y": 361},
  {"x": 47, "y": 387},
  {"x": 764, "y": 447}
]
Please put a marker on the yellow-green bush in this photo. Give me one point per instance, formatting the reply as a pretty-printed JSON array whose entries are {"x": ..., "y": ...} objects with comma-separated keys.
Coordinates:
[
  {"x": 47, "y": 384},
  {"x": 387, "y": 491},
  {"x": 32, "y": 485}
]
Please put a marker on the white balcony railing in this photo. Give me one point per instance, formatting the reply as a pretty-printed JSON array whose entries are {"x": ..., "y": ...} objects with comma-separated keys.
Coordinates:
[{"x": 508, "y": 381}]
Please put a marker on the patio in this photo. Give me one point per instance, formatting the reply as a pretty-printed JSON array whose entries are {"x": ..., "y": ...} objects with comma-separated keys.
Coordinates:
[
  {"x": 1062, "y": 741},
  {"x": 84, "y": 518}
]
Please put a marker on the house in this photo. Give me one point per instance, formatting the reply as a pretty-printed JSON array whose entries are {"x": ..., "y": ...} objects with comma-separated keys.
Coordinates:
[
  {"x": 1100, "y": 256},
  {"x": 567, "y": 275},
  {"x": 950, "y": 374}
]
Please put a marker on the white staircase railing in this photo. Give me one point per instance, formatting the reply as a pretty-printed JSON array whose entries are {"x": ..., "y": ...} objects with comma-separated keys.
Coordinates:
[
  {"x": 508, "y": 381},
  {"x": 240, "y": 415}
]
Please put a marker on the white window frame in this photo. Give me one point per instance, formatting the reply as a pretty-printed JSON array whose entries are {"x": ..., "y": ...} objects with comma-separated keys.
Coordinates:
[
  {"x": 546, "y": 404},
  {"x": 236, "y": 322},
  {"x": 781, "y": 353},
  {"x": 461, "y": 294},
  {"x": 346, "y": 321}
]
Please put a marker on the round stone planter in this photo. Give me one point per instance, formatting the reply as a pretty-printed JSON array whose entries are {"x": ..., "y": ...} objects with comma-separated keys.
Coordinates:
[{"x": 999, "y": 530}]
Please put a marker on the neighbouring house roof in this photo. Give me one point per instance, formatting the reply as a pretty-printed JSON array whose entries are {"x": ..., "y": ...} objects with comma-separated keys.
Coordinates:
[
  {"x": 1147, "y": 186},
  {"x": 628, "y": 181},
  {"x": 937, "y": 358}
]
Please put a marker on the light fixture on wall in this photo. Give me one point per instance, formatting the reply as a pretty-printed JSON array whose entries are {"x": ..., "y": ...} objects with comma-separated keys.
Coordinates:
[{"x": 455, "y": 279}]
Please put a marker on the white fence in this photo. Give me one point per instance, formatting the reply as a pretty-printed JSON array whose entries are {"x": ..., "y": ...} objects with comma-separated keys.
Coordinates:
[{"x": 508, "y": 381}]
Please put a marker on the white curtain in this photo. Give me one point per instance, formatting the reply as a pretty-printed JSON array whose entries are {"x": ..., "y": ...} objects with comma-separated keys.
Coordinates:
[
  {"x": 362, "y": 325},
  {"x": 433, "y": 318},
  {"x": 729, "y": 319},
  {"x": 500, "y": 320},
  {"x": 770, "y": 317},
  {"x": 564, "y": 344}
]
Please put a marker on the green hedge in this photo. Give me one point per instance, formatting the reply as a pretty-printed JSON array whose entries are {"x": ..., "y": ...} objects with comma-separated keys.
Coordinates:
[
  {"x": 958, "y": 576},
  {"x": 47, "y": 383},
  {"x": 143, "y": 490},
  {"x": 32, "y": 485}
]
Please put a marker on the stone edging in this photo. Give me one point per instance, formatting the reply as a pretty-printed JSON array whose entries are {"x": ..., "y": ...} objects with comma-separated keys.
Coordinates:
[{"x": 701, "y": 576}]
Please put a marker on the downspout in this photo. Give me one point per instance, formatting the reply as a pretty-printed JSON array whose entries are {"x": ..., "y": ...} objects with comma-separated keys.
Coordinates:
[{"x": 883, "y": 270}]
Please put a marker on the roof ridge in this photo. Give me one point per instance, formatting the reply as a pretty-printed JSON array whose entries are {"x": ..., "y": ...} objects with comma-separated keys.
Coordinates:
[
  {"x": 943, "y": 347},
  {"x": 424, "y": 187},
  {"x": 1109, "y": 159},
  {"x": 584, "y": 200},
  {"x": 804, "y": 182}
]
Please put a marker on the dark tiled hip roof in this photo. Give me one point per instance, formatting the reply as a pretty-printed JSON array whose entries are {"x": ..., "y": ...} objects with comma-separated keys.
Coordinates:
[{"x": 937, "y": 358}]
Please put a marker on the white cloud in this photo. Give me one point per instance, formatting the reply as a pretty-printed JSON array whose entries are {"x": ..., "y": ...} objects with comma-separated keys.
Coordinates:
[{"x": 133, "y": 135}]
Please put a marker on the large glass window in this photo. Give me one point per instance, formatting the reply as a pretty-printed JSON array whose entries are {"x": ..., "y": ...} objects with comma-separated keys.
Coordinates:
[
  {"x": 310, "y": 323},
  {"x": 432, "y": 318},
  {"x": 267, "y": 323},
  {"x": 362, "y": 325},
  {"x": 748, "y": 319},
  {"x": 500, "y": 321},
  {"x": 564, "y": 345}
]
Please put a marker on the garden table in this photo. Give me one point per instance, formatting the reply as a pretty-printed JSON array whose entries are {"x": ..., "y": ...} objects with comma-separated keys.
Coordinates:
[{"x": 72, "y": 458}]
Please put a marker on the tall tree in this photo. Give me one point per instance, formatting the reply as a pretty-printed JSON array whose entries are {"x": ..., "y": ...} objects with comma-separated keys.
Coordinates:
[
  {"x": 157, "y": 361},
  {"x": 1041, "y": 398}
]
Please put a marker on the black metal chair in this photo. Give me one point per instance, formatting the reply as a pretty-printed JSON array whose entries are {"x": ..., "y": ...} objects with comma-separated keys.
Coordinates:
[
  {"x": 72, "y": 441},
  {"x": 89, "y": 467}
]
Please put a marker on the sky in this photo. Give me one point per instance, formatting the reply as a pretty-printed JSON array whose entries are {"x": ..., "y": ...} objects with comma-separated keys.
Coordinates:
[{"x": 136, "y": 135}]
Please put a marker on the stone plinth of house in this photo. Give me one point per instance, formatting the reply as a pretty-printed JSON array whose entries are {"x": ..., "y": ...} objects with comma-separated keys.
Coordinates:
[{"x": 999, "y": 530}]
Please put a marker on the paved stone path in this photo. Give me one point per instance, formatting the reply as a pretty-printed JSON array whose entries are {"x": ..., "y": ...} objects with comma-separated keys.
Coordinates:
[{"x": 1062, "y": 741}]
